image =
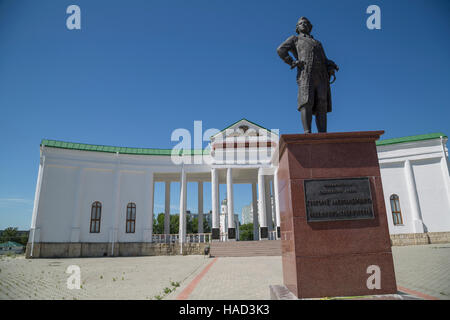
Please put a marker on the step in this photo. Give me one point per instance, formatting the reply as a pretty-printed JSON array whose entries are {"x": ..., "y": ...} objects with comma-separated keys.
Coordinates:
[{"x": 245, "y": 248}]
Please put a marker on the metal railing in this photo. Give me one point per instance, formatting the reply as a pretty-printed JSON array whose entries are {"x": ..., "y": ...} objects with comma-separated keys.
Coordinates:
[
  {"x": 223, "y": 236},
  {"x": 190, "y": 238},
  {"x": 198, "y": 237},
  {"x": 165, "y": 238},
  {"x": 272, "y": 235}
]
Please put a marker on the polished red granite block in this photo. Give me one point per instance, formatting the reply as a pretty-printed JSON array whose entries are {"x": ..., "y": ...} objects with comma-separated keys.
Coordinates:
[
  {"x": 343, "y": 275},
  {"x": 330, "y": 258}
]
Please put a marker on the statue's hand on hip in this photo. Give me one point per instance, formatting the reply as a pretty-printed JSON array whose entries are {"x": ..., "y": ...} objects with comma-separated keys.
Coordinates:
[{"x": 299, "y": 64}]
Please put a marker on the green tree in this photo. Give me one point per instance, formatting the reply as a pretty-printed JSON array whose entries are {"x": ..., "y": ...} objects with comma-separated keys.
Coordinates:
[
  {"x": 9, "y": 234},
  {"x": 246, "y": 232},
  {"x": 174, "y": 223},
  {"x": 158, "y": 224},
  {"x": 190, "y": 225},
  {"x": 23, "y": 239},
  {"x": 12, "y": 234},
  {"x": 206, "y": 228},
  {"x": 194, "y": 223}
]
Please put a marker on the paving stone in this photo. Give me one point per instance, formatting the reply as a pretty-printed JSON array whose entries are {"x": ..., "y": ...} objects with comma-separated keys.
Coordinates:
[{"x": 422, "y": 268}]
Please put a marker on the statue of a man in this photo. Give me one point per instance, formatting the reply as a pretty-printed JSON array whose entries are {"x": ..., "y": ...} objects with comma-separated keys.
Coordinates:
[{"x": 314, "y": 71}]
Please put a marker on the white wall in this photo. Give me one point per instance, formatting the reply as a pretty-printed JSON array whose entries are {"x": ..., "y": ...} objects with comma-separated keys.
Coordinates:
[
  {"x": 431, "y": 179},
  {"x": 394, "y": 182},
  {"x": 56, "y": 203},
  {"x": 433, "y": 198},
  {"x": 132, "y": 189},
  {"x": 98, "y": 185},
  {"x": 72, "y": 180}
]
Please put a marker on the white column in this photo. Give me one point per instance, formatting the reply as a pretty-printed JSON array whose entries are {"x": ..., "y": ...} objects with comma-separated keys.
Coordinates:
[
  {"x": 413, "y": 198},
  {"x": 230, "y": 202},
  {"x": 182, "y": 224},
  {"x": 76, "y": 213},
  {"x": 152, "y": 207},
  {"x": 149, "y": 196},
  {"x": 167, "y": 208},
  {"x": 255, "y": 212},
  {"x": 113, "y": 235},
  {"x": 268, "y": 203},
  {"x": 272, "y": 205},
  {"x": 445, "y": 170},
  {"x": 200, "y": 206},
  {"x": 34, "y": 228},
  {"x": 215, "y": 198},
  {"x": 277, "y": 202},
  {"x": 262, "y": 202}
]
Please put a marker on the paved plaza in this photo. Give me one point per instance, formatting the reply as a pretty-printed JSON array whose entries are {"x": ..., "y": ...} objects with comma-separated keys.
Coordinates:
[{"x": 424, "y": 269}]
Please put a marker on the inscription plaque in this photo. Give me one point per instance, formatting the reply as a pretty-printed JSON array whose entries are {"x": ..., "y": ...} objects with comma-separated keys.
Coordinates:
[
  {"x": 215, "y": 234},
  {"x": 338, "y": 199},
  {"x": 231, "y": 233},
  {"x": 264, "y": 232}
]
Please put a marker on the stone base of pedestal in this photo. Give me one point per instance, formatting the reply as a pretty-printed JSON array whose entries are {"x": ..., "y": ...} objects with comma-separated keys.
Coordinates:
[{"x": 280, "y": 292}]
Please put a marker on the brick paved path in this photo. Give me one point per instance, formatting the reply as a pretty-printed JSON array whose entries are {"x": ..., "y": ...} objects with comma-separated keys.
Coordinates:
[
  {"x": 101, "y": 278},
  {"x": 239, "y": 278},
  {"x": 425, "y": 269}
]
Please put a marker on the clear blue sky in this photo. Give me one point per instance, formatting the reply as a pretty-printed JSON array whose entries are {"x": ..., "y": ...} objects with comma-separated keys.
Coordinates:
[{"x": 138, "y": 69}]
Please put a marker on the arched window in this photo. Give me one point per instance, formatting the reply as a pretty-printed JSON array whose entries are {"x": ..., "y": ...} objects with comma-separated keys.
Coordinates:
[
  {"x": 131, "y": 218},
  {"x": 96, "y": 214},
  {"x": 395, "y": 208}
]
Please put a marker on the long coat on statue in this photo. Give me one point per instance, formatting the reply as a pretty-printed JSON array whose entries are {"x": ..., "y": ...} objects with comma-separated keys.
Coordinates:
[{"x": 313, "y": 74}]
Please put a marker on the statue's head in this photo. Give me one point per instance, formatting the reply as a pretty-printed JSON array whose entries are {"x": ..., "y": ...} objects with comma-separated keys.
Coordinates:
[{"x": 303, "y": 26}]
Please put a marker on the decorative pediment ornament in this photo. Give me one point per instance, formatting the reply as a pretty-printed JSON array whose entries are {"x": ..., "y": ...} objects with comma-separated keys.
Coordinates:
[
  {"x": 244, "y": 128},
  {"x": 243, "y": 131},
  {"x": 252, "y": 132}
]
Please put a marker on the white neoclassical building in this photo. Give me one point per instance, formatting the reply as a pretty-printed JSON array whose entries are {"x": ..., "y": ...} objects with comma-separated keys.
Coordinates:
[
  {"x": 94, "y": 200},
  {"x": 416, "y": 186}
]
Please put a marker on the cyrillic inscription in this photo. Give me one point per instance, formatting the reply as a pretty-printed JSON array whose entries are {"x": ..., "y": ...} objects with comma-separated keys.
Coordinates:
[{"x": 338, "y": 199}]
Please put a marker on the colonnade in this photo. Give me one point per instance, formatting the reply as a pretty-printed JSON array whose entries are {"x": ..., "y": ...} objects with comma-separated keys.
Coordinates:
[{"x": 266, "y": 215}]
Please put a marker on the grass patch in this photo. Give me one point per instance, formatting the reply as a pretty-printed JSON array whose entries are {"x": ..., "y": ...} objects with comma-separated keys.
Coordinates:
[{"x": 174, "y": 285}]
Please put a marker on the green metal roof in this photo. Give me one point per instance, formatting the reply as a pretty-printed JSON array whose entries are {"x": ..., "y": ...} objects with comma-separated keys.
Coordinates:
[
  {"x": 420, "y": 137},
  {"x": 168, "y": 152},
  {"x": 121, "y": 150},
  {"x": 10, "y": 244}
]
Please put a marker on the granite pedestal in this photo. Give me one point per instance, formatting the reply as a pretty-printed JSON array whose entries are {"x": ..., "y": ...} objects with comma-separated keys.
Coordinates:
[{"x": 333, "y": 218}]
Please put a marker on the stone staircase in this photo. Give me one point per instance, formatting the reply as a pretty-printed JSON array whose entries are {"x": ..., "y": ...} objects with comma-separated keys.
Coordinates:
[{"x": 245, "y": 248}]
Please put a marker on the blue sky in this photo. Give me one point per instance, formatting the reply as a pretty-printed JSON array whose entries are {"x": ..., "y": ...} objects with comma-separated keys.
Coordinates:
[{"x": 139, "y": 69}]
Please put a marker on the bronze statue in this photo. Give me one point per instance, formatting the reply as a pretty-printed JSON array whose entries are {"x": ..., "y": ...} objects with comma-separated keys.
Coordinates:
[{"x": 314, "y": 71}]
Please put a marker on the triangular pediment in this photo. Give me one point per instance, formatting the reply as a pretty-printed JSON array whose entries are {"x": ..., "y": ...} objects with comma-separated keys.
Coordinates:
[{"x": 243, "y": 128}]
